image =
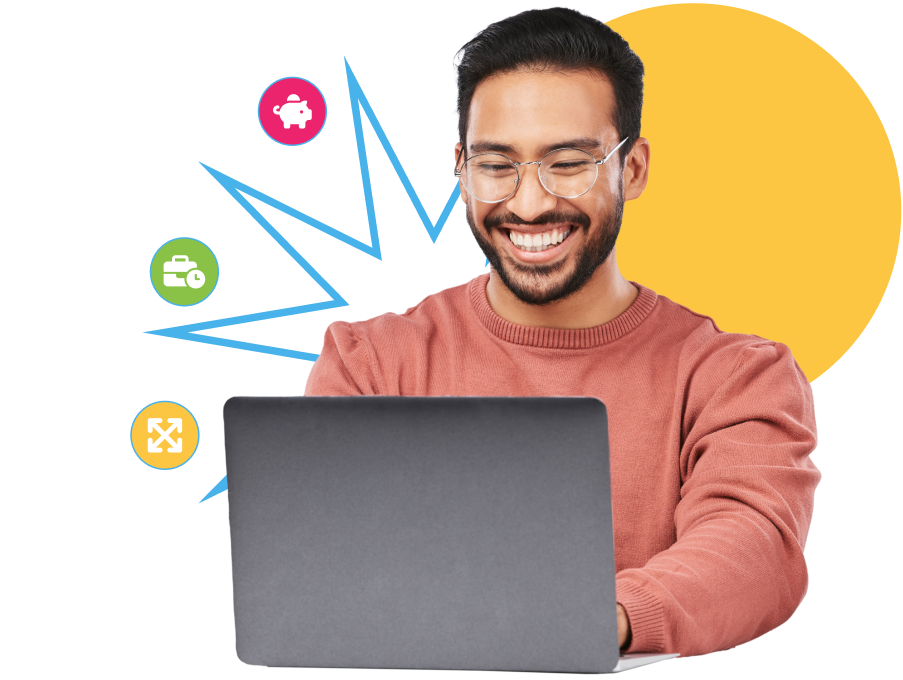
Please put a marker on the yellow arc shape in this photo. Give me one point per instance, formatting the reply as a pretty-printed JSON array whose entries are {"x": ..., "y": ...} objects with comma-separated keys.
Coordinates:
[
  {"x": 773, "y": 202},
  {"x": 156, "y": 435}
]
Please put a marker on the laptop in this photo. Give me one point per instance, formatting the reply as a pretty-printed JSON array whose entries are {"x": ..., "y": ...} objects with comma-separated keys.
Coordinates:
[{"x": 462, "y": 533}]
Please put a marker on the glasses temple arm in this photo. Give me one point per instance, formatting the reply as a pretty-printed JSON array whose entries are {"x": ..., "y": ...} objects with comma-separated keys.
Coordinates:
[
  {"x": 602, "y": 162},
  {"x": 457, "y": 160}
]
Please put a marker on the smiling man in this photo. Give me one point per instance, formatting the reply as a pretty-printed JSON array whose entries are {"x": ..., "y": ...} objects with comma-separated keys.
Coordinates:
[{"x": 710, "y": 432}]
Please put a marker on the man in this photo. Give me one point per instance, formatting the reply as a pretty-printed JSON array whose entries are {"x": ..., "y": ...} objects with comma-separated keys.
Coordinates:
[{"x": 712, "y": 486}]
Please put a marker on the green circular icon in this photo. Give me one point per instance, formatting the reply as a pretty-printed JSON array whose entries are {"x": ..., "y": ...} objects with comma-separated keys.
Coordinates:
[{"x": 184, "y": 271}]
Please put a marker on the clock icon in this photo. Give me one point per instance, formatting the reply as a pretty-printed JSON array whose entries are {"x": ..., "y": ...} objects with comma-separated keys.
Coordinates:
[{"x": 195, "y": 278}]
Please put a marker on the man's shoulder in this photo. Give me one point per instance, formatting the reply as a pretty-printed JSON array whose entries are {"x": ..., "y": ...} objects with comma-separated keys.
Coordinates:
[
  {"x": 435, "y": 313},
  {"x": 705, "y": 347}
]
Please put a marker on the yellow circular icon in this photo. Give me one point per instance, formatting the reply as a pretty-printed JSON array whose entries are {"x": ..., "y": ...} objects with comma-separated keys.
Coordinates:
[{"x": 165, "y": 435}]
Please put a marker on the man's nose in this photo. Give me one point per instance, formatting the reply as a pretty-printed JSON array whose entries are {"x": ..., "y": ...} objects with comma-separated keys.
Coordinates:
[{"x": 531, "y": 199}]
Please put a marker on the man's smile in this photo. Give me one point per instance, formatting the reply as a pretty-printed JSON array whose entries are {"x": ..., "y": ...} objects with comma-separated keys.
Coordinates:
[
  {"x": 538, "y": 242},
  {"x": 538, "y": 246}
]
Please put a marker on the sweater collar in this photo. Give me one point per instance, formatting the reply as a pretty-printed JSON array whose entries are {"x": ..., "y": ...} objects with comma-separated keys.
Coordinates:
[{"x": 560, "y": 338}]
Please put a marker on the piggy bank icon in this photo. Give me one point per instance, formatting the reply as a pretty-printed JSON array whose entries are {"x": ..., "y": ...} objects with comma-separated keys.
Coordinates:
[{"x": 294, "y": 112}]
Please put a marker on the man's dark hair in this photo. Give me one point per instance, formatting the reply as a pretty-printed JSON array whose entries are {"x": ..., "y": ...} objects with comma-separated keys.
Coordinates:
[{"x": 557, "y": 39}]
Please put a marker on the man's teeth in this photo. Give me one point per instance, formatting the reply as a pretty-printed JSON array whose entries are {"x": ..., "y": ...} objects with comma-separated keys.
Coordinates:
[{"x": 536, "y": 243}]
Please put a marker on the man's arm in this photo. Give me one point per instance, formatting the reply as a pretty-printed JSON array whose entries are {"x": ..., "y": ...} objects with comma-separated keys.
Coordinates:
[
  {"x": 344, "y": 367},
  {"x": 736, "y": 569}
]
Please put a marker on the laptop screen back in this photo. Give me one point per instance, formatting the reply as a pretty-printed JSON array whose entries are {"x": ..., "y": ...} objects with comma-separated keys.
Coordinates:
[{"x": 434, "y": 532}]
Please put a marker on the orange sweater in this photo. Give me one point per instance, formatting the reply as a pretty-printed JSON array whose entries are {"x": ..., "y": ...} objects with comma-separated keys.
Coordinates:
[{"x": 710, "y": 435}]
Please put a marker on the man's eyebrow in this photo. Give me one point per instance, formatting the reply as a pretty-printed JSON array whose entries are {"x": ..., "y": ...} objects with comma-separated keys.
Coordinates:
[{"x": 585, "y": 143}]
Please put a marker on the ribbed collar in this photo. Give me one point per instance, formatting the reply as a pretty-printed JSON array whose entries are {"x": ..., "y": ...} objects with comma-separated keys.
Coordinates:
[{"x": 560, "y": 338}]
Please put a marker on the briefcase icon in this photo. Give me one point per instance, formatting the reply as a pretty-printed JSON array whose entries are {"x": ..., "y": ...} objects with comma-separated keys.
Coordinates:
[{"x": 179, "y": 265}]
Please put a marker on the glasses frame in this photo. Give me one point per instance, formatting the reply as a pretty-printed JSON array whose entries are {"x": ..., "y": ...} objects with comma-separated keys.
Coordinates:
[{"x": 458, "y": 172}]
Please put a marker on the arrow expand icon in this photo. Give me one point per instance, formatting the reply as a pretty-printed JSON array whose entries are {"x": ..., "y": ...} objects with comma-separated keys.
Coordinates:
[{"x": 153, "y": 424}]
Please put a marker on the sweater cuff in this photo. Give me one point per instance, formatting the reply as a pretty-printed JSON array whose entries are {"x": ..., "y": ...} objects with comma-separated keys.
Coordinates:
[{"x": 647, "y": 621}]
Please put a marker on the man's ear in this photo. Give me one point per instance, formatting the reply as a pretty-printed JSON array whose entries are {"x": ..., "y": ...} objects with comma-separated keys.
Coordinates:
[{"x": 636, "y": 169}]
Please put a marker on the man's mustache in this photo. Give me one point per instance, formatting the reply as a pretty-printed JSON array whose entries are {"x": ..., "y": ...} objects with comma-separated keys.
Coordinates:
[{"x": 551, "y": 217}]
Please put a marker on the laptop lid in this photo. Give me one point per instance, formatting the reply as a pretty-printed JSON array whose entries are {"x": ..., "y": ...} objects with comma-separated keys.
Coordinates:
[{"x": 422, "y": 532}]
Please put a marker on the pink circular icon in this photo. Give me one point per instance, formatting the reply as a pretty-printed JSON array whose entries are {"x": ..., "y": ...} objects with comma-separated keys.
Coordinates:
[{"x": 292, "y": 111}]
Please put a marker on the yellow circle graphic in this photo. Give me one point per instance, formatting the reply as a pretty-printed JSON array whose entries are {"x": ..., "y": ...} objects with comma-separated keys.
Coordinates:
[
  {"x": 773, "y": 202},
  {"x": 165, "y": 435}
]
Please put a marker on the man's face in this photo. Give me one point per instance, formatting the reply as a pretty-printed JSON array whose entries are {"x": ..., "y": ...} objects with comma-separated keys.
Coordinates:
[{"x": 525, "y": 115}]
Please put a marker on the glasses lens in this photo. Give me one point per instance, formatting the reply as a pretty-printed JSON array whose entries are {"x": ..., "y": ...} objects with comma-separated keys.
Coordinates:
[
  {"x": 568, "y": 172},
  {"x": 489, "y": 177}
]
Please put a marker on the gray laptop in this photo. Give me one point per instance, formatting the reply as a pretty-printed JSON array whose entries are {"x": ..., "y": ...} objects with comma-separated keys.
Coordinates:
[{"x": 423, "y": 532}]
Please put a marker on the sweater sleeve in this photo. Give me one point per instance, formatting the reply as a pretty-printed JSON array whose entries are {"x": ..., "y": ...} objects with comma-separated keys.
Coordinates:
[
  {"x": 344, "y": 367},
  {"x": 736, "y": 569}
]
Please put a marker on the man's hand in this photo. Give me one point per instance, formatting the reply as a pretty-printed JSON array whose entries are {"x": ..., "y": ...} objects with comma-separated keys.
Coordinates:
[{"x": 623, "y": 628}]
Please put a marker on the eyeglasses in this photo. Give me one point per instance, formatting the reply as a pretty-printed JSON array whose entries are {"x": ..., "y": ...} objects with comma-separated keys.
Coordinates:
[{"x": 566, "y": 173}]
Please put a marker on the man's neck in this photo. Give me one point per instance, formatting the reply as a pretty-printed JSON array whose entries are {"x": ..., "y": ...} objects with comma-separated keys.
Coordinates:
[{"x": 605, "y": 296}]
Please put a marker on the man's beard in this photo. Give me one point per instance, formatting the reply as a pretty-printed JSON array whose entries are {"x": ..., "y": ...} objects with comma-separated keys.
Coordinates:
[{"x": 543, "y": 284}]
